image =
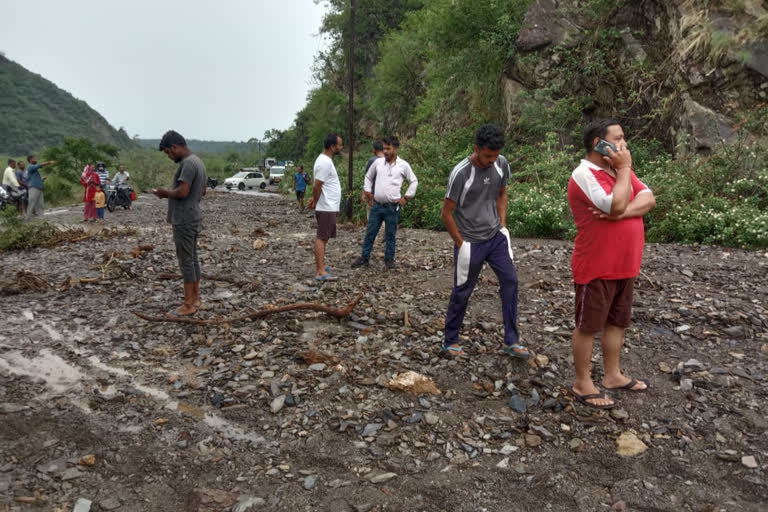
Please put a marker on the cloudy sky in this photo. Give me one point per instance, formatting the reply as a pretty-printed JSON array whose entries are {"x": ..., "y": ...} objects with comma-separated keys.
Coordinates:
[{"x": 211, "y": 69}]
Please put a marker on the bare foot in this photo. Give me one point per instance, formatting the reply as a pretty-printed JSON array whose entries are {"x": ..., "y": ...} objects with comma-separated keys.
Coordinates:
[
  {"x": 183, "y": 310},
  {"x": 624, "y": 383}
]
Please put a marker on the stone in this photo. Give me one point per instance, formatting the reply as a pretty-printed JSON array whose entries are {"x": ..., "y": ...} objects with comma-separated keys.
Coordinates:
[
  {"x": 88, "y": 460},
  {"x": 686, "y": 384},
  {"x": 532, "y": 440},
  {"x": 749, "y": 461},
  {"x": 248, "y": 503},
  {"x": 371, "y": 429},
  {"x": 541, "y": 26},
  {"x": 757, "y": 57},
  {"x": 71, "y": 474},
  {"x": 431, "y": 418},
  {"x": 541, "y": 360},
  {"x": 503, "y": 463},
  {"x": 705, "y": 128},
  {"x": 508, "y": 449},
  {"x": 309, "y": 482},
  {"x": 82, "y": 505},
  {"x": 277, "y": 404},
  {"x": 619, "y": 414},
  {"x": 110, "y": 504},
  {"x": 381, "y": 477},
  {"x": 413, "y": 382},
  {"x": 736, "y": 331},
  {"x": 619, "y": 506},
  {"x": 317, "y": 367},
  {"x": 629, "y": 445},
  {"x": 517, "y": 404},
  {"x": 576, "y": 444}
]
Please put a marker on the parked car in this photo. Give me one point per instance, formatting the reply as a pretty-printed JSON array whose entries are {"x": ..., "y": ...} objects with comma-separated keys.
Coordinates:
[
  {"x": 246, "y": 178},
  {"x": 276, "y": 173}
]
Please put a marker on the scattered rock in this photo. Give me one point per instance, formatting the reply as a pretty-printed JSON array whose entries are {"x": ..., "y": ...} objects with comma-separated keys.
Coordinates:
[
  {"x": 82, "y": 505},
  {"x": 277, "y": 404},
  {"x": 412, "y": 382},
  {"x": 629, "y": 445},
  {"x": 309, "y": 482},
  {"x": 517, "y": 404},
  {"x": 749, "y": 461},
  {"x": 381, "y": 477}
]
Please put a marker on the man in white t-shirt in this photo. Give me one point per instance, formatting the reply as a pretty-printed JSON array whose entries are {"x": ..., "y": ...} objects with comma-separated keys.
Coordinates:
[{"x": 326, "y": 199}]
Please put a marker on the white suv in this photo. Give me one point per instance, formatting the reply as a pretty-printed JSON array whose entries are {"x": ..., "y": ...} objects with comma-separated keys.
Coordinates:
[
  {"x": 246, "y": 178},
  {"x": 276, "y": 173}
]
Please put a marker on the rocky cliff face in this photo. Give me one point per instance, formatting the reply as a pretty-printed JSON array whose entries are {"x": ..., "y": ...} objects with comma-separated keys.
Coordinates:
[{"x": 680, "y": 71}]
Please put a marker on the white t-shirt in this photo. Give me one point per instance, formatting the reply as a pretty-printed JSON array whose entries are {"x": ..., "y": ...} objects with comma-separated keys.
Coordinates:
[{"x": 330, "y": 197}]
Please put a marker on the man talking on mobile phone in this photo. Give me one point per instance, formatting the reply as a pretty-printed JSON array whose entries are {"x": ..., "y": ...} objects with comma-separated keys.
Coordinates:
[{"x": 608, "y": 203}]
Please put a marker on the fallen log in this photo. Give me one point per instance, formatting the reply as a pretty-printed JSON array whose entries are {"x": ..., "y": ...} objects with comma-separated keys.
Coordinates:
[{"x": 338, "y": 313}]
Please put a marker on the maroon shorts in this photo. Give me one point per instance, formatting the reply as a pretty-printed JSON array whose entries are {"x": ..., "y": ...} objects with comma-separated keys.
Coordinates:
[
  {"x": 326, "y": 225},
  {"x": 604, "y": 302}
]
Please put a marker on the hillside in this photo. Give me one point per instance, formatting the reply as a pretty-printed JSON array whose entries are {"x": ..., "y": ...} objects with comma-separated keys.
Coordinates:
[
  {"x": 688, "y": 80},
  {"x": 211, "y": 146},
  {"x": 35, "y": 113}
]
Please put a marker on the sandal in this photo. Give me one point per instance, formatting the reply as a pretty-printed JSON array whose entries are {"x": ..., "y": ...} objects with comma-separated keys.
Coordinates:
[
  {"x": 175, "y": 314},
  {"x": 585, "y": 399},
  {"x": 453, "y": 351},
  {"x": 326, "y": 277},
  {"x": 631, "y": 384},
  {"x": 516, "y": 351}
]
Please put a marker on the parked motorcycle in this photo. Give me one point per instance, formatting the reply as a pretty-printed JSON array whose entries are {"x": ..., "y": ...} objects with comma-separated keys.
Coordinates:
[
  {"x": 13, "y": 196},
  {"x": 118, "y": 195},
  {"x": 212, "y": 182}
]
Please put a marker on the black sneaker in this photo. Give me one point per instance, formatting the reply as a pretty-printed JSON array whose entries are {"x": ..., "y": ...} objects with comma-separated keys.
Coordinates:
[
  {"x": 360, "y": 262},
  {"x": 389, "y": 264}
]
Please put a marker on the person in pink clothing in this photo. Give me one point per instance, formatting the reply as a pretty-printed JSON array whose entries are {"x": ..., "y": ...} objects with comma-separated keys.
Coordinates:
[{"x": 90, "y": 181}]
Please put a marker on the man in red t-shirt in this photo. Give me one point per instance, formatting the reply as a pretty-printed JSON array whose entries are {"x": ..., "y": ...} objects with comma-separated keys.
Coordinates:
[{"x": 608, "y": 203}]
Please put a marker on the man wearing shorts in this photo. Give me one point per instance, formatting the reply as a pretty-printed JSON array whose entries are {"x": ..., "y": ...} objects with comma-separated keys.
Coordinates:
[
  {"x": 185, "y": 215},
  {"x": 475, "y": 215},
  {"x": 326, "y": 199},
  {"x": 608, "y": 203},
  {"x": 300, "y": 180}
]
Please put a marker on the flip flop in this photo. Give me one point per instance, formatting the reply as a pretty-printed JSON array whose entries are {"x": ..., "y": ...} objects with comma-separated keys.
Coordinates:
[
  {"x": 584, "y": 399},
  {"x": 452, "y": 351},
  {"x": 510, "y": 350},
  {"x": 631, "y": 384},
  {"x": 326, "y": 277}
]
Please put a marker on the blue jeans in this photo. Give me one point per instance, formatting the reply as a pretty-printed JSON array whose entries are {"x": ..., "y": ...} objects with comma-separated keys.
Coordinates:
[
  {"x": 468, "y": 262},
  {"x": 389, "y": 214}
]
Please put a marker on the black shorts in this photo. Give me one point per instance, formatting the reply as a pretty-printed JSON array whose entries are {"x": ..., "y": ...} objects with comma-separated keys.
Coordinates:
[
  {"x": 604, "y": 302},
  {"x": 299, "y": 194},
  {"x": 326, "y": 225}
]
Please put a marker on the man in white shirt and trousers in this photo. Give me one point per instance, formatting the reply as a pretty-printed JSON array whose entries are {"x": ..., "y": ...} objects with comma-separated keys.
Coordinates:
[{"x": 385, "y": 177}]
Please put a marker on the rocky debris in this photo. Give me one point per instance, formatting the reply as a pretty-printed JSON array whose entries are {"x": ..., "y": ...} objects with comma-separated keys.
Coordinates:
[
  {"x": 629, "y": 445},
  {"x": 412, "y": 382},
  {"x": 749, "y": 461},
  {"x": 541, "y": 27},
  {"x": 706, "y": 128},
  {"x": 82, "y": 505},
  {"x": 297, "y": 408}
]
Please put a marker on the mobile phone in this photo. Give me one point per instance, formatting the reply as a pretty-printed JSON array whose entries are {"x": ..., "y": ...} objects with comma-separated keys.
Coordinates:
[{"x": 602, "y": 147}]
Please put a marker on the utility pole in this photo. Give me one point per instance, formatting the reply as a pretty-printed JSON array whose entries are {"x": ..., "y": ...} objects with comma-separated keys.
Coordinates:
[{"x": 351, "y": 131}]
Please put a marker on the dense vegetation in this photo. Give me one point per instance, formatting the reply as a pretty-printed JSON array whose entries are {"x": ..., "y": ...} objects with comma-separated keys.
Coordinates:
[
  {"x": 35, "y": 114},
  {"x": 431, "y": 72}
]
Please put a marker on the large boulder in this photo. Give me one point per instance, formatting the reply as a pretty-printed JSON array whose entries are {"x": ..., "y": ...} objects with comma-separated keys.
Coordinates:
[
  {"x": 542, "y": 26},
  {"x": 704, "y": 128},
  {"x": 757, "y": 57}
]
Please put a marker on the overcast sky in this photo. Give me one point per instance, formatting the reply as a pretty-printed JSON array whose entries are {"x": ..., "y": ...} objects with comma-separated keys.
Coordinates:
[{"x": 210, "y": 69}]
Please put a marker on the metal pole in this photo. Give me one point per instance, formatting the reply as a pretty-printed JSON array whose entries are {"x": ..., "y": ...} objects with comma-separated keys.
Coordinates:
[{"x": 351, "y": 132}]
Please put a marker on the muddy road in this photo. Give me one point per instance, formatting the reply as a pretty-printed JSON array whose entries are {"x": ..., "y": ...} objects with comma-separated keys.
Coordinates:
[{"x": 100, "y": 410}]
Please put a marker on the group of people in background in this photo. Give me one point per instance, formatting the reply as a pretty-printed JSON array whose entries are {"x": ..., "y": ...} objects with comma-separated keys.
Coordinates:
[
  {"x": 606, "y": 198},
  {"x": 94, "y": 179},
  {"x": 28, "y": 183}
]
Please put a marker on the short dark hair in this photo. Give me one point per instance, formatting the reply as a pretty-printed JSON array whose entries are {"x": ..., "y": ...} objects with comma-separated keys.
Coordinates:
[
  {"x": 391, "y": 141},
  {"x": 30, "y": 157},
  {"x": 330, "y": 140},
  {"x": 301, "y": 167},
  {"x": 11, "y": 161},
  {"x": 597, "y": 128},
  {"x": 489, "y": 136},
  {"x": 172, "y": 138},
  {"x": 378, "y": 146}
]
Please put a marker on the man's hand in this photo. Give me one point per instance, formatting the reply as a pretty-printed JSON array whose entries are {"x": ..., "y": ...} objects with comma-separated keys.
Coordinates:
[
  {"x": 402, "y": 201},
  {"x": 604, "y": 216},
  {"x": 619, "y": 159},
  {"x": 160, "y": 192},
  {"x": 311, "y": 204}
]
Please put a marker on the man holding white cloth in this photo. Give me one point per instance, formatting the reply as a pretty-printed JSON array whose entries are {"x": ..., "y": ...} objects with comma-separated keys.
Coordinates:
[{"x": 386, "y": 176}]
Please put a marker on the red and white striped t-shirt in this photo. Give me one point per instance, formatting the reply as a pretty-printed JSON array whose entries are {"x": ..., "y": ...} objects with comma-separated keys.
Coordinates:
[{"x": 603, "y": 249}]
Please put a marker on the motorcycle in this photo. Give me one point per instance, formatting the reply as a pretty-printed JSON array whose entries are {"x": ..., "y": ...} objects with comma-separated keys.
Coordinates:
[
  {"x": 118, "y": 195},
  {"x": 212, "y": 182},
  {"x": 10, "y": 195}
]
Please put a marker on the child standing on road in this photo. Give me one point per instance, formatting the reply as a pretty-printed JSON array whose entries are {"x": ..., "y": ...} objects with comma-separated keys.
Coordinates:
[{"x": 101, "y": 202}]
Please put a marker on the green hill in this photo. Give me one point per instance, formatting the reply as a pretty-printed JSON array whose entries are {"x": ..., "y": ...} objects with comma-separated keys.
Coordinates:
[
  {"x": 35, "y": 113},
  {"x": 212, "y": 146}
]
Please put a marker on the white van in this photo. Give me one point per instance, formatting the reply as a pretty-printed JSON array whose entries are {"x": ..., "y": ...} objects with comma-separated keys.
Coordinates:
[{"x": 276, "y": 173}]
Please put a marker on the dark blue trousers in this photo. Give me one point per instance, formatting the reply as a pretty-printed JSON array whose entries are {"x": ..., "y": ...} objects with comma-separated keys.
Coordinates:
[
  {"x": 468, "y": 262},
  {"x": 389, "y": 214}
]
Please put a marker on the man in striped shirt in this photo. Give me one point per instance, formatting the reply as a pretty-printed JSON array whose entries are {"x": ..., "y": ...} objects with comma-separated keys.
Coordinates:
[{"x": 475, "y": 215}]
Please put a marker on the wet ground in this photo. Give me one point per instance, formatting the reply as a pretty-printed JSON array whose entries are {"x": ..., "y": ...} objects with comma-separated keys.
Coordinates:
[{"x": 292, "y": 411}]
